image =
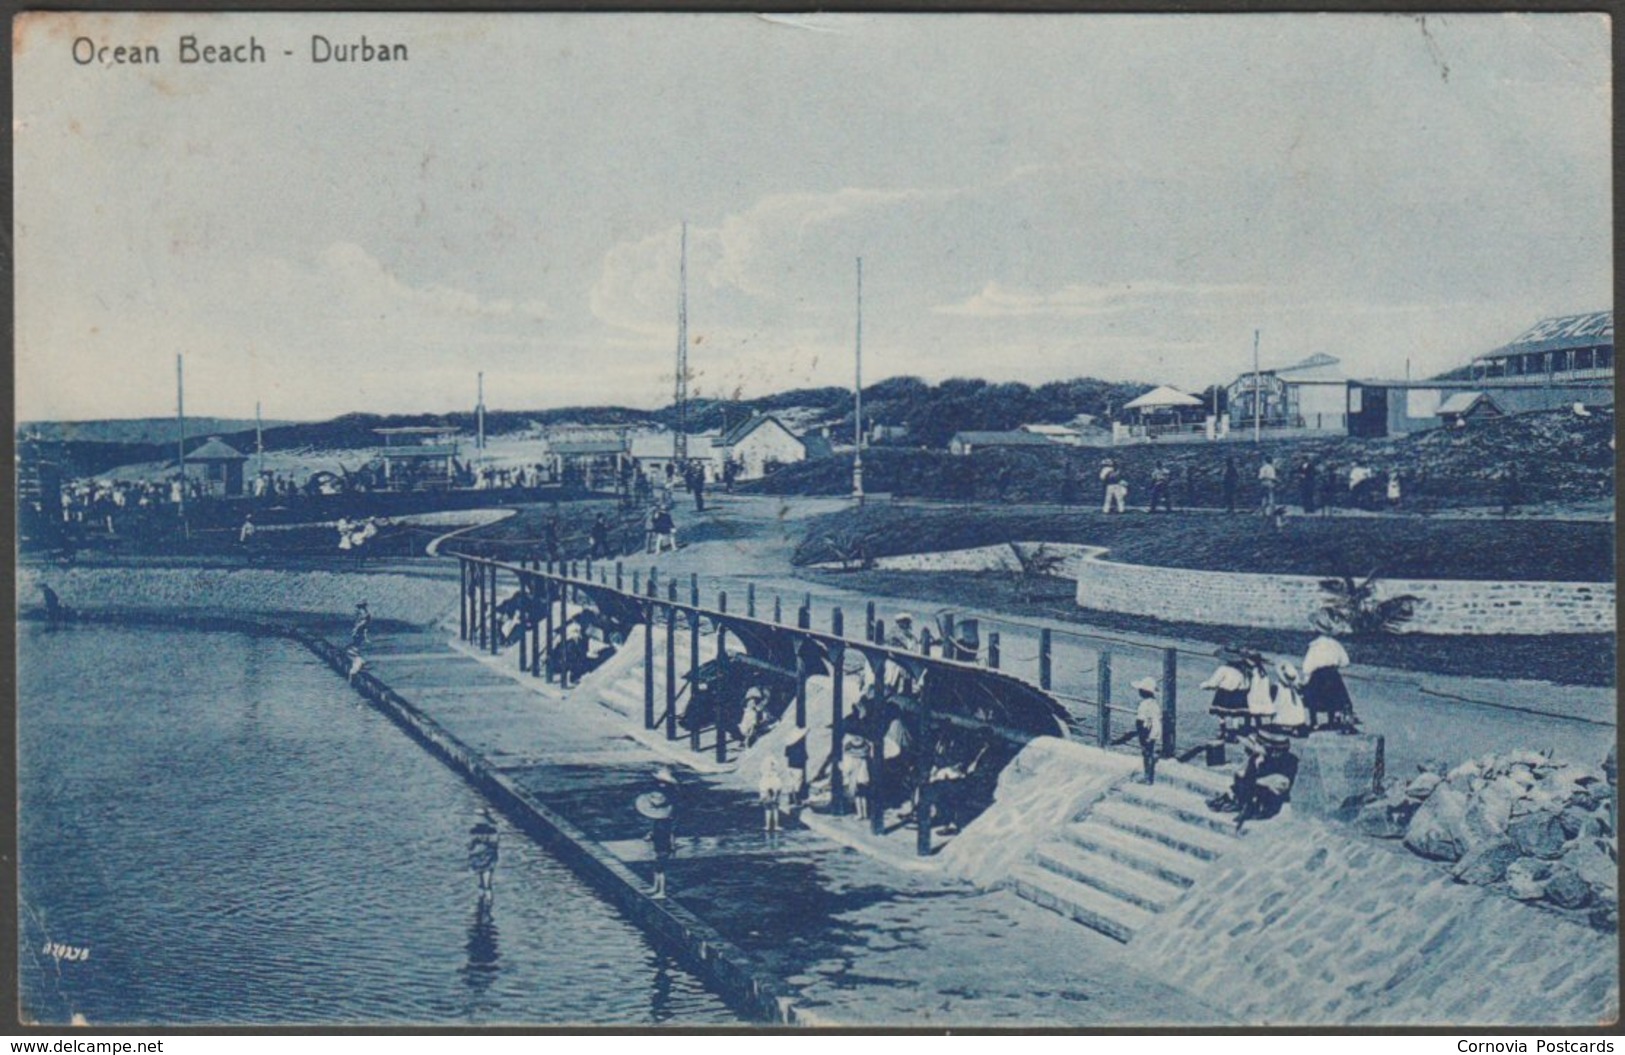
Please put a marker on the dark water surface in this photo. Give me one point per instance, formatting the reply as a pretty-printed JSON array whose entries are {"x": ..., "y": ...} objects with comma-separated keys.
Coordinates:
[{"x": 236, "y": 838}]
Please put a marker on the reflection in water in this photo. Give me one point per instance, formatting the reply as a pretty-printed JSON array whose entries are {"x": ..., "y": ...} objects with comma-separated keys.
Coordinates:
[
  {"x": 660, "y": 1009},
  {"x": 482, "y": 966}
]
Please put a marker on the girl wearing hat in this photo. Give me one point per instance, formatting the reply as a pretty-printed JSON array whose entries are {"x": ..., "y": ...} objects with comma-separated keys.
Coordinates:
[
  {"x": 855, "y": 773},
  {"x": 1148, "y": 725},
  {"x": 657, "y": 808},
  {"x": 1290, "y": 715},
  {"x": 1324, "y": 691}
]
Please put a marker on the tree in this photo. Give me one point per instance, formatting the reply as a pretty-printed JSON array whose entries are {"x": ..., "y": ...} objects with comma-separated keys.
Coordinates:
[{"x": 1036, "y": 565}]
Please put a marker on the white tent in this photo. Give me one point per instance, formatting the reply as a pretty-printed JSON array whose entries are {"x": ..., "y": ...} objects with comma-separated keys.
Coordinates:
[{"x": 1162, "y": 398}]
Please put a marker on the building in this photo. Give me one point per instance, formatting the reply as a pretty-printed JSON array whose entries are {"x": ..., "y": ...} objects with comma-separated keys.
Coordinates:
[
  {"x": 1063, "y": 434},
  {"x": 1563, "y": 349},
  {"x": 1463, "y": 407},
  {"x": 221, "y": 466},
  {"x": 651, "y": 452},
  {"x": 970, "y": 442},
  {"x": 1311, "y": 394},
  {"x": 760, "y": 445},
  {"x": 1555, "y": 364},
  {"x": 593, "y": 461},
  {"x": 419, "y": 457}
]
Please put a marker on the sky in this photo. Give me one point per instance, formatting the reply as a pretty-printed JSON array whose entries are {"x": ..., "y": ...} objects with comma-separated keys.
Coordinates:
[{"x": 1034, "y": 198}]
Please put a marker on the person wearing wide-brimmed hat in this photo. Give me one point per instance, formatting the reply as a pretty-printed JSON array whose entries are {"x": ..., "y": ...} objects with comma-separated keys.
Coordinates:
[
  {"x": 1148, "y": 725},
  {"x": 1229, "y": 683},
  {"x": 657, "y": 808},
  {"x": 855, "y": 772},
  {"x": 1290, "y": 715},
  {"x": 770, "y": 793},
  {"x": 1264, "y": 781}
]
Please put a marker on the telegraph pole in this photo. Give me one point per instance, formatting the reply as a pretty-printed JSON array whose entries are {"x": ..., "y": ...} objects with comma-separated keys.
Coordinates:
[
  {"x": 479, "y": 415},
  {"x": 857, "y": 390},
  {"x": 259, "y": 442},
  {"x": 1258, "y": 406},
  {"x": 679, "y": 440},
  {"x": 180, "y": 429}
]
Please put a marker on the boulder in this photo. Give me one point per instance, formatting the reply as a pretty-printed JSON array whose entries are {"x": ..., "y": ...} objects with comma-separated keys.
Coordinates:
[
  {"x": 1437, "y": 766},
  {"x": 1538, "y": 834},
  {"x": 1439, "y": 827},
  {"x": 1490, "y": 809},
  {"x": 1605, "y": 917},
  {"x": 1337, "y": 775},
  {"x": 1565, "y": 888},
  {"x": 1591, "y": 861},
  {"x": 1526, "y": 878},
  {"x": 1487, "y": 864},
  {"x": 1384, "y": 819},
  {"x": 1463, "y": 773},
  {"x": 1422, "y": 785},
  {"x": 1579, "y": 823}
]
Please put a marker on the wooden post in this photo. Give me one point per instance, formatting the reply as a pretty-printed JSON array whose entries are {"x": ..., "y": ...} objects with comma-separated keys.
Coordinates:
[
  {"x": 589, "y": 569},
  {"x": 750, "y": 600},
  {"x": 877, "y": 766},
  {"x": 804, "y": 621},
  {"x": 535, "y": 619},
  {"x": 837, "y": 722},
  {"x": 496, "y": 624},
  {"x": 693, "y": 665},
  {"x": 949, "y": 649},
  {"x": 924, "y": 804},
  {"x": 620, "y": 578},
  {"x": 722, "y": 653},
  {"x": 479, "y": 601},
  {"x": 869, "y": 622},
  {"x": 671, "y": 660},
  {"x": 1103, "y": 694},
  {"x": 553, "y": 588},
  {"x": 878, "y": 629},
  {"x": 778, "y": 611},
  {"x": 524, "y": 616},
  {"x": 1170, "y": 700},
  {"x": 637, "y": 581},
  {"x": 993, "y": 649},
  {"x": 694, "y": 589},
  {"x": 648, "y": 657},
  {"x": 1045, "y": 643},
  {"x": 462, "y": 599}
]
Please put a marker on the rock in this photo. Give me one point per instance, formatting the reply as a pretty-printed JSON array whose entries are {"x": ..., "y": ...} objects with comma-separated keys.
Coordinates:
[
  {"x": 1438, "y": 829},
  {"x": 1605, "y": 917},
  {"x": 1463, "y": 773},
  {"x": 1526, "y": 878},
  {"x": 1565, "y": 888},
  {"x": 1490, "y": 810},
  {"x": 1437, "y": 766},
  {"x": 1538, "y": 834},
  {"x": 1591, "y": 861},
  {"x": 1337, "y": 775},
  {"x": 1487, "y": 864},
  {"x": 1384, "y": 820},
  {"x": 1581, "y": 823},
  {"x": 1422, "y": 785}
]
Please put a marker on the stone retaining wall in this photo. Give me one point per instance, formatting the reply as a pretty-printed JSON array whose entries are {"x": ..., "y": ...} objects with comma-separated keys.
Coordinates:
[
  {"x": 1287, "y": 602},
  {"x": 1001, "y": 557}
]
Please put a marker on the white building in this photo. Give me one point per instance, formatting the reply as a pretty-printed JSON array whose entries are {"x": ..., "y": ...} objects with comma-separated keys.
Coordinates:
[
  {"x": 1063, "y": 434},
  {"x": 1312, "y": 394},
  {"x": 761, "y": 445}
]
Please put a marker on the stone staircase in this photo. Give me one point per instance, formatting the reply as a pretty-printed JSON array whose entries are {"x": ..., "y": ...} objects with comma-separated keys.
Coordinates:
[{"x": 1132, "y": 854}]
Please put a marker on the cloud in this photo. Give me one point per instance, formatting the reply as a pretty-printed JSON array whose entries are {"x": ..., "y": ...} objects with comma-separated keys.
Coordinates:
[
  {"x": 367, "y": 284},
  {"x": 995, "y": 301}
]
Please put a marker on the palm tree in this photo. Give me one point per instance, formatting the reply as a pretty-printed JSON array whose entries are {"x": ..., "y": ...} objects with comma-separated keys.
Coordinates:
[{"x": 1356, "y": 607}]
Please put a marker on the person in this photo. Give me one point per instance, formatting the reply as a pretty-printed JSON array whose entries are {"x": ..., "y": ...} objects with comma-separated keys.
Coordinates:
[
  {"x": 1260, "y": 693},
  {"x": 1116, "y": 490},
  {"x": 1324, "y": 692},
  {"x": 665, "y": 530},
  {"x": 1230, "y": 483},
  {"x": 550, "y": 540},
  {"x": 657, "y": 807},
  {"x": 651, "y": 537},
  {"x": 600, "y": 538},
  {"x": 1161, "y": 489},
  {"x": 795, "y": 761},
  {"x": 363, "y": 623},
  {"x": 855, "y": 773},
  {"x": 730, "y": 473},
  {"x": 1229, "y": 684},
  {"x": 245, "y": 534},
  {"x": 696, "y": 484},
  {"x": 53, "y": 606},
  {"x": 1329, "y": 478},
  {"x": 356, "y": 663},
  {"x": 1264, "y": 781},
  {"x": 902, "y": 635},
  {"x": 1290, "y": 715},
  {"x": 1267, "y": 481},
  {"x": 945, "y": 792},
  {"x": 483, "y": 850},
  {"x": 1359, "y": 477},
  {"x": 1393, "y": 489},
  {"x": 752, "y": 721},
  {"x": 1511, "y": 490},
  {"x": 770, "y": 793},
  {"x": 1306, "y": 485},
  {"x": 1148, "y": 725}
]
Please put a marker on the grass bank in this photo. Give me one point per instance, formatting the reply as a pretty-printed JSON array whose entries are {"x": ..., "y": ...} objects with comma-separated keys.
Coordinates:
[{"x": 1392, "y": 546}]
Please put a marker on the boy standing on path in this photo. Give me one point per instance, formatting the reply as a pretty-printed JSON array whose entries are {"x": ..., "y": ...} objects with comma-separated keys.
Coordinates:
[{"x": 1148, "y": 725}]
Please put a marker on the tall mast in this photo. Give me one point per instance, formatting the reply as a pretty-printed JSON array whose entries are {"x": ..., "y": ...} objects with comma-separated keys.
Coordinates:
[
  {"x": 180, "y": 429},
  {"x": 679, "y": 440},
  {"x": 1258, "y": 406},
  {"x": 479, "y": 415},
  {"x": 259, "y": 442},
  {"x": 857, "y": 390}
]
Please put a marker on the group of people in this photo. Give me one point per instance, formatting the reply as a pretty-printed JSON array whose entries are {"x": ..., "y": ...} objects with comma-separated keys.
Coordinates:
[
  {"x": 1295, "y": 701},
  {"x": 1318, "y": 488}
]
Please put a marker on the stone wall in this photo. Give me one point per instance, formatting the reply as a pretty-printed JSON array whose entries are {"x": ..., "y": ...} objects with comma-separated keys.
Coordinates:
[
  {"x": 1001, "y": 557},
  {"x": 1287, "y": 602}
]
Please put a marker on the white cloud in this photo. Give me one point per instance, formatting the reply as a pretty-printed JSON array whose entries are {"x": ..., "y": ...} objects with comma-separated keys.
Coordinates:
[{"x": 995, "y": 301}]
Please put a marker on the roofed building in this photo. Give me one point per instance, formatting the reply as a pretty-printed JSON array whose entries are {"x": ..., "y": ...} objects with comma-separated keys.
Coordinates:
[
  {"x": 970, "y": 442},
  {"x": 760, "y": 445}
]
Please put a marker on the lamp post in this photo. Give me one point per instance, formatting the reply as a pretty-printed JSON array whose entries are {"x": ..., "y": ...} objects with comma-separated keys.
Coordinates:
[{"x": 857, "y": 390}]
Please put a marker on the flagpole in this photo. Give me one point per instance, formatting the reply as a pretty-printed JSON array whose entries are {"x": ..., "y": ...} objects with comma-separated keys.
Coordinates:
[{"x": 857, "y": 389}]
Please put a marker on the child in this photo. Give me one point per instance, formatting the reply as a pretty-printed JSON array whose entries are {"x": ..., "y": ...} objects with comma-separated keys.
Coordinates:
[{"x": 770, "y": 789}]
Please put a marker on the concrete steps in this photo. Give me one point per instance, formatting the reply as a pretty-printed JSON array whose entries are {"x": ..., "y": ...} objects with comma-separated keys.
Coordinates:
[{"x": 1132, "y": 854}]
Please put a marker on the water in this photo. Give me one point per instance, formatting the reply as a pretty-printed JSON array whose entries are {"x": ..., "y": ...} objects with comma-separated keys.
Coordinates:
[{"x": 234, "y": 837}]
